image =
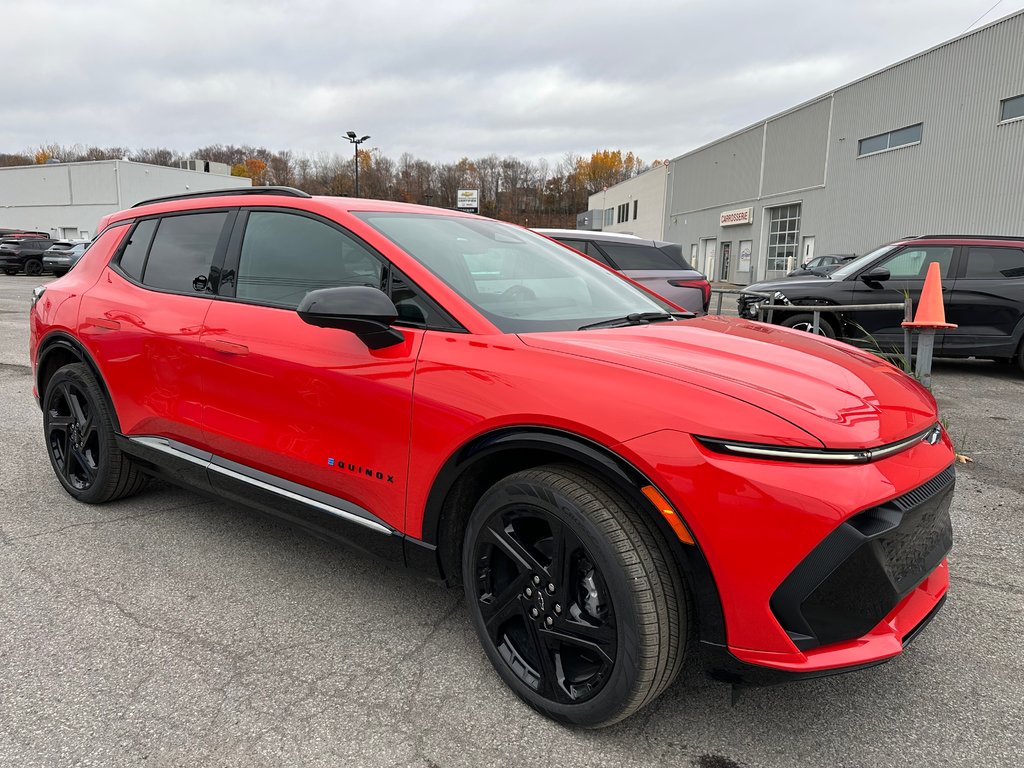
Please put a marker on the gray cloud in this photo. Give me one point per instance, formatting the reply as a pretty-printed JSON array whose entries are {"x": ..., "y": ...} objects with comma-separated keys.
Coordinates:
[{"x": 443, "y": 79}]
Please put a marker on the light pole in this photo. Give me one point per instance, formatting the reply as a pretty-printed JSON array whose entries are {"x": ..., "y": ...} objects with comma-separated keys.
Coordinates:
[{"x": 351, "y": 136}]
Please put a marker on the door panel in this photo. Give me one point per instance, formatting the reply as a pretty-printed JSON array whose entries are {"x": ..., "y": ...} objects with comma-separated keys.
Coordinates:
[
  {"x": 310, "y": 405},
  {"x": 152, "y": 365},
  {"x": 987, "y": 302},
  {"x": 907, "y": 268}
]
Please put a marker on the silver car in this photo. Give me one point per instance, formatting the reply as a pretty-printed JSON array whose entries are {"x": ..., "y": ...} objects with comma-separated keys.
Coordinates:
[
  {"x": 658, "y": 266},
  {"x": 60, "y": 257}
]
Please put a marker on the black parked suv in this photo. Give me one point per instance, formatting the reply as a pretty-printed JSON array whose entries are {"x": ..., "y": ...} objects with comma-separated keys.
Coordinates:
[
  {"x": 982, "y": 287},
  {"x": 25, "y": 253}
]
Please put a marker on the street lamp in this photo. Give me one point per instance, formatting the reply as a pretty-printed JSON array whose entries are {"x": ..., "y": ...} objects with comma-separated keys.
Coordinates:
[{"x": 351, "y": 136}]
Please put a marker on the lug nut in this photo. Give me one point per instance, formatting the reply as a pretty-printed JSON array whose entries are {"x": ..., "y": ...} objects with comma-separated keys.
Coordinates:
[
  {"x": 529, "y": 592},
  {"x": 534, "y": 612},
  {"x": 536, "y": 579},
  {"x": 549, "y": 621},
  {"x": 551, "y": 588},
  {"x": 558, "y": 608}
]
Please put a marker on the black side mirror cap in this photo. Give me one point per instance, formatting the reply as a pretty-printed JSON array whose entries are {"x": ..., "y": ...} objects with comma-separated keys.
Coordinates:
[
  {"x": 876, "y": 275},
  {"x": 360, "y": 309}
]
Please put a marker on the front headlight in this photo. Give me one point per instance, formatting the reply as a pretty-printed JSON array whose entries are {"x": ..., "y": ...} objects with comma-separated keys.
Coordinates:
[{"x": 932, "y": 435}]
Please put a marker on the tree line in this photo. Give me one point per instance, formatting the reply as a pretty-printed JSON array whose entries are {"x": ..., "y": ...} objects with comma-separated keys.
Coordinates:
[{"x": 532, "y": 193}]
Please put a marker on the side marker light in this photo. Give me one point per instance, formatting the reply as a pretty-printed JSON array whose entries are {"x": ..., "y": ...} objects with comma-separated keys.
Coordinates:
[{"x": 671, "y": 516}]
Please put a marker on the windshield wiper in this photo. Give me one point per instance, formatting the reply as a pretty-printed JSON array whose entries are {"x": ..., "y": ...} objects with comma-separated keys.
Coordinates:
[{"x": 637, "y": 318}]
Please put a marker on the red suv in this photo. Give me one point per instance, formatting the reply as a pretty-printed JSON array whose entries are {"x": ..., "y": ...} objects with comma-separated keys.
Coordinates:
[{"x": 612, "y": 481}]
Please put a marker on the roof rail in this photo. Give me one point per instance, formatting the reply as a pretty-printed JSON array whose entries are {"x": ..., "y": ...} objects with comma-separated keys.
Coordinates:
[
  {"x": 968, "y": 237},
  {"x": 281, "y": 191}
]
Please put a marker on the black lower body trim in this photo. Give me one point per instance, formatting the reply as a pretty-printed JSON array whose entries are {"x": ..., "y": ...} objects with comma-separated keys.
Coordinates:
[
  {"x": 321, "y": 514},
  {"x": 721, "y": 665}
]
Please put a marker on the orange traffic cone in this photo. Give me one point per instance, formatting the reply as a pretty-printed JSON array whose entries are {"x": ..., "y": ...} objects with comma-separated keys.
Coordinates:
[{"x": 930, "y": 311}]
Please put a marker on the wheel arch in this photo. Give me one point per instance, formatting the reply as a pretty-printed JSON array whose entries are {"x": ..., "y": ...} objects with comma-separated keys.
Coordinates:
[
  {"x": 59, "y": 349},
  {"x": 481, "y": 462}
]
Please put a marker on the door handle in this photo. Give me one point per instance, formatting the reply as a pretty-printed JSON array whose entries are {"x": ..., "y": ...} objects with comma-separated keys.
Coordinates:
[
  {"x": 226, "y": 347},
  {"x": 102, "y": 322}
]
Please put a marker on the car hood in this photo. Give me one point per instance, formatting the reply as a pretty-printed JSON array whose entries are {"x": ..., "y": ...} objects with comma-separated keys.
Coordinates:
[
  {"x": 842, "y": 396},
  {"x": 782, "y": 284}
]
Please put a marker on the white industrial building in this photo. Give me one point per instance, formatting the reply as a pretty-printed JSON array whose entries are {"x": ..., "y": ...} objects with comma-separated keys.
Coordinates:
[
  {"x": 634, "y": 207},
  {"x": 933, "y": 144},
  {"x": 68, "y": 199}
]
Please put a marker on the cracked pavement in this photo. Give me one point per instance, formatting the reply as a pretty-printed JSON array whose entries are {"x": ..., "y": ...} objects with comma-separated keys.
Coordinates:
[{"x": 169, "y": 629}]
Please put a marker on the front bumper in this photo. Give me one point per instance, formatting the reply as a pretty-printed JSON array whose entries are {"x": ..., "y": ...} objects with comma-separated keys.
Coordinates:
[{"x": 818, "y": 568}]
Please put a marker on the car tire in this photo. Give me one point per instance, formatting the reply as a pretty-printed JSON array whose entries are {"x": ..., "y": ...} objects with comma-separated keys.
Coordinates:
[
  {"x": 11, "y": 272},
  {"x": 1020, "y": 356},
  {"x": 33, "y": 267},
  {"x": 574, "y": 595},
  {"x": 80, "y": 439},
  {"x": 805, "y": 322}
]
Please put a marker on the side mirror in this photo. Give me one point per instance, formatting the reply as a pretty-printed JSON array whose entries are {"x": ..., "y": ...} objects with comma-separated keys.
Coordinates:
[
  {"x": 876, "y": 275},
  {"x": 367, "y": 312}
]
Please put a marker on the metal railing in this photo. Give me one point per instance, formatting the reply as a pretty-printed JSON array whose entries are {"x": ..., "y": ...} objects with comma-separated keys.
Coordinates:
[{"x": 816, "y": 310}]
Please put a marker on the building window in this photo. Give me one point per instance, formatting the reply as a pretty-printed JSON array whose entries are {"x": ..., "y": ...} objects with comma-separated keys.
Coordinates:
[
  {"x": 609, "y": 216},
  {"x": 623, "y": 213},
  {"x": 783, "y": 236},
  {"x": 883, "y": 141},
  {"x": 1011, "y": 109},
  {"x": 635, "y": 204}
]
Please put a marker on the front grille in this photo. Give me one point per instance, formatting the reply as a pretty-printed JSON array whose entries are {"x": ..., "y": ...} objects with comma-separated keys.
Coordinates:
[{"x": 864, "y": 568}]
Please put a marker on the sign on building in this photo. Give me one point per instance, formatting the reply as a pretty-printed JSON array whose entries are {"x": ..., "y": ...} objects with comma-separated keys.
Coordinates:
[
  {"x": 468, "y": 200},
  {"x": 736, "y": 217}
]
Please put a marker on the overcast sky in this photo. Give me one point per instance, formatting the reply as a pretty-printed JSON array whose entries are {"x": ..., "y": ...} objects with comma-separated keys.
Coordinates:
[{"x": 441, "y": 79}]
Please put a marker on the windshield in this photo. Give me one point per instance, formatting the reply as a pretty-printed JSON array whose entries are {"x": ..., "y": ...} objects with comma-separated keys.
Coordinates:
[
  {"x": 518, "y": 280},
  {"x": 851, "y": 268}
]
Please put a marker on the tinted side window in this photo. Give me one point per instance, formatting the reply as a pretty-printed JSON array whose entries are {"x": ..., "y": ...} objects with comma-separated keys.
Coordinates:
[
  {"x": 912, "y": 263},
  {"x": 414, "y": 308},
  {"x": 579, "y": 245},
  {"x": 183, "y": 250},
  {"x": 995, "y": 263},
  {"x": 628, "y": 257},
  {"x": 284, "y": 256},
  {"x": 133, "y": 258}
]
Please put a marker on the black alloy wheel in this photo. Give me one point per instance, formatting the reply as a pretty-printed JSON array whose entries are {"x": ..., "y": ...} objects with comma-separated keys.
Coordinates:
[
  {"x": 805, "y": 322},
  {"x": 33, "y": 267},
  {"x": 80, "y": 439},
  {"x": 573, "y": 595}
]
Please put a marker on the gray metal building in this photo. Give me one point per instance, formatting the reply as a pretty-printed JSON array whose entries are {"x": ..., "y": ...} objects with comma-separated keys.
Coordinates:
[
  {"x": 68, "y": 199},
  {"x": 933, "y": 144}
]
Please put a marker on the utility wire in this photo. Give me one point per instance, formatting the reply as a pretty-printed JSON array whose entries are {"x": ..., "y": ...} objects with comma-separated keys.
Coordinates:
[{"x": 986, "y": 13}]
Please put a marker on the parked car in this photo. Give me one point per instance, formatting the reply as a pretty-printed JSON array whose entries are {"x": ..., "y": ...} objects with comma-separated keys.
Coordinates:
[
  {"x": 610, "y": 481},
  {"x": 6, "y": 234},
  {"x": 60, "y": 257},
  {"x": 26, "y": 253},
  {"x": 656, "y": 265},
  {"x": 822, "y": 265},
  {"x": 983, "y": 289}
]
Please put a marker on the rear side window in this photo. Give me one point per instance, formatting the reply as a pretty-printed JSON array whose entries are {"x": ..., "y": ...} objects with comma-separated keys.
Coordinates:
[
  {"x": 183, "y": 251},
  {"x": 584, "y": 246},
  {"x": 995, "y": 263},
  {"x": 133, "y": 258},
  {"x": 284, "y": 256},
  {"x": 635, "y": 257}
]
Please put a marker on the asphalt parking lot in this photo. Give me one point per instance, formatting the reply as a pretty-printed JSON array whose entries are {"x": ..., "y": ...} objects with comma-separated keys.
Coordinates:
[{"x": 169, "y": 629}]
